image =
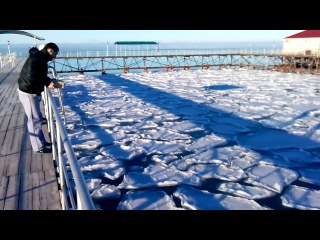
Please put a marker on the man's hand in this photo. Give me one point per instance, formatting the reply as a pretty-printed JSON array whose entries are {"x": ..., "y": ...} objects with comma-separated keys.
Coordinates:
[
  {"x": 58, "y": 83},
  {"x": 51, "y": 85}
]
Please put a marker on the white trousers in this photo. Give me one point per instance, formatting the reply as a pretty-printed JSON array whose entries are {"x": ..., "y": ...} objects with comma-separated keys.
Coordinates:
[{"x": 31, "y": 104}]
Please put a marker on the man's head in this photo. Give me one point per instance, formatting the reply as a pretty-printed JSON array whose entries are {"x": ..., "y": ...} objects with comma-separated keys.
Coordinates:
[{"x": 52, "y": 49}]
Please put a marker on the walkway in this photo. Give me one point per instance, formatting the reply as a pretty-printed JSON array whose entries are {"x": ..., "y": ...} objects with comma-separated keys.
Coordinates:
[{"x": 27, "y": 181}]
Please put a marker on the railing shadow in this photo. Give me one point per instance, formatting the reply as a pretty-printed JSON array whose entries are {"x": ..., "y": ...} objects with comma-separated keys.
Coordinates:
[{"x": 153, "y": 94}]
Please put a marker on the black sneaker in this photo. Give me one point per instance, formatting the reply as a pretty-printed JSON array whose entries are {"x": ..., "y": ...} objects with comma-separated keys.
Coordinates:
[
  {"x": 47, "y": 145},
  {"x": 44, "y": 150},
  {"x": 44, "y": 121}
]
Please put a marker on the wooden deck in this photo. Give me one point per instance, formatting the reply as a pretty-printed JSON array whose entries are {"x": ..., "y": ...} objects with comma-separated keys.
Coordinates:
[{"x": 27, "y": 181}]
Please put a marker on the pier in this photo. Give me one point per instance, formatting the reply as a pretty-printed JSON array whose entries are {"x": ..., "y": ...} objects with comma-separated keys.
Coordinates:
[
  {"x": 125, "y": 62},
  {"x": 27, "y": 181}
]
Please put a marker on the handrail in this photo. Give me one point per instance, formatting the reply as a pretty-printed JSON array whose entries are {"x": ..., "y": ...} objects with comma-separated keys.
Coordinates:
[
  {"x": 123, "y": 52},
  {"x": 54, "y": 74},
  {"x": 61, "y": 144},
  {"x": 174, "y": 52},
  {"x": 4, "y": 59}
]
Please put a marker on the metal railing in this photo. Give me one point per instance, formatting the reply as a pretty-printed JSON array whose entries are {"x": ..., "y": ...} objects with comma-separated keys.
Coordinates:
[
  {"x": 8, "y": 58},
  {"x": 132, "y": 52},
  {"x": 64, "y": 157},
  {"x": 175, "y": 52}
]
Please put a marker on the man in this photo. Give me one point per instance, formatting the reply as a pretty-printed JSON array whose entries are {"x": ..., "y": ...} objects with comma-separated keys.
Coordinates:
[{"x": 33, "y": 78}]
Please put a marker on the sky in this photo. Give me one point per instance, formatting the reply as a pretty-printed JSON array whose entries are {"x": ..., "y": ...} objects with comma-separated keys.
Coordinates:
[
  {"x": 229, "y": 139},
  {"x": 162, "y": 36}
]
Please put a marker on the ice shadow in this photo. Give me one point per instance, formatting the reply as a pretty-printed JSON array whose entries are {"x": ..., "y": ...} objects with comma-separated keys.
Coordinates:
[
  {"x": 151, "y": 95},
  {"x": 221, "y": 87}
]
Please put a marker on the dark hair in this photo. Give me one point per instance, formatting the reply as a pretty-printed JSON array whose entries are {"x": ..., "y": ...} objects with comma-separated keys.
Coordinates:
[{"x": 53, "y": 46}]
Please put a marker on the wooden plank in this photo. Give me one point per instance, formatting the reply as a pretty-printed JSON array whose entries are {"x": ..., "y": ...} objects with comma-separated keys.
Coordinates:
[
  {"x": 25, "y": 195},
  {"x": 8, "y": 97},
  {"x": 7, "y": 110},
  {"x": 6, "y": 69},
  {"x": 16, "y": 143},
  {"x": 26, "y": 191},
  {"x": 15, "y": 96},
  {"x": 3, "y": 191},
  {"x": 2, "y": 138},
  {"x": 16, "y": 109},
  {"x": 6, "y": 146},
  {"x": 14, "y": 120},
  {"x": 22, "y": 118},
  {"x": 5, "y": 166},
  {"x": 52, "y": 186},
  {"x": 30, "y": 192},
  {"x": 14, "y": 100},
  {"x": 25, "y": 156},
  {"x": 2, "y": 163},
  {"x": 47, "y": 163},
  {"x": 36, "y": 163},
  {"x": 54, "y": 201},
  {"x": 25, "y": 163},
  {"x": 2, "y": 108},
  {"x": 13, "y": 164},
  {"x": 29, "y": 154},
  {"x": 4, "y": 122},
  {"x": 4, "y": 92},
  {"x": 43, "y": 193},
  {"x": 12, "y": 196},
  {"x": 35, "y": 191}
]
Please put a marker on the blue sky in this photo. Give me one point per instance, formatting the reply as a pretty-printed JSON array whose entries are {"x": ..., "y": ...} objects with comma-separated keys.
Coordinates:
[{"x": 162, "y": 36}]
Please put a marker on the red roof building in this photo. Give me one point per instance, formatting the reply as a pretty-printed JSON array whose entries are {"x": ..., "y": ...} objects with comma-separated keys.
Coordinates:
[
  {"x": 306, "y": 34},
  {"x": 306, "y": 42}
]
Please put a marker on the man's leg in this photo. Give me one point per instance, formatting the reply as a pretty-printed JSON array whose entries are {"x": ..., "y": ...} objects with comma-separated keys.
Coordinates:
[{"x": 31, "y": 106}]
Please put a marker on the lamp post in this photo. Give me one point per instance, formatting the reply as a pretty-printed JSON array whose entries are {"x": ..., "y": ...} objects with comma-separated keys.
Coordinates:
[
  {"x": 273, "y": 48},
  {"x": 8, "y": 46}
]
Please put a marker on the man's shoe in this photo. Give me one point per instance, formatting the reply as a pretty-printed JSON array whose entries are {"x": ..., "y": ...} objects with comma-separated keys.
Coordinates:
[
  {"x": 44, "y": 121},
  {"x": 44, "y": 150},
  {"x": 47, "y": 145}
]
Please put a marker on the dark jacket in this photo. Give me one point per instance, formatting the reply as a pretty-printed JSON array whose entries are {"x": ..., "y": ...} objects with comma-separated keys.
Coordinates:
[{"x": 34, "y": 73}]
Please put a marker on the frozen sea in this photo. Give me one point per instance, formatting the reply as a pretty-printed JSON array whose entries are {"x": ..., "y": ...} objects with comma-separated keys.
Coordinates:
[{"x": 230, "y": 139}]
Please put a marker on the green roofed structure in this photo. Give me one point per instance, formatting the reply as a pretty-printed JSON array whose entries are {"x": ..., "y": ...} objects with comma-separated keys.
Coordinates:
[{"x": 136, "y": 43}]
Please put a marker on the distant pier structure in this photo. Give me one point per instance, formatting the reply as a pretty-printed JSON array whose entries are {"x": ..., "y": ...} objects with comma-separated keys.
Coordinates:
[{"x": 129, "y": 59}]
